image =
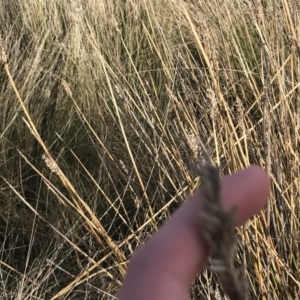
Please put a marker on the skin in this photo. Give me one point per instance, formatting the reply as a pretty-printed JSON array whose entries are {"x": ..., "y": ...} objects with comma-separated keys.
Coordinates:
[{"x": 166, "y": 265}]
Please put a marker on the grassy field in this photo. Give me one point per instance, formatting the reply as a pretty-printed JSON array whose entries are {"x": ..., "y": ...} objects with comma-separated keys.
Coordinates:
[{"x": 100, "y": 106}]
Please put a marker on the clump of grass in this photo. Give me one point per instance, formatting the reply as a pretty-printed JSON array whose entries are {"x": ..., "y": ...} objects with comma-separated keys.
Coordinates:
[{"x": 112, "y": 94}]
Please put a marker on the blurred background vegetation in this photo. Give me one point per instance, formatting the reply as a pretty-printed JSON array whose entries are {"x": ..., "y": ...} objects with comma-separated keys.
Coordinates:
[{"x": 100, "y": 106}]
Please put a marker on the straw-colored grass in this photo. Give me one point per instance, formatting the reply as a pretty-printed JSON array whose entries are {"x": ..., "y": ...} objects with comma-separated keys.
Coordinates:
[{"x": 100, "y": 104}]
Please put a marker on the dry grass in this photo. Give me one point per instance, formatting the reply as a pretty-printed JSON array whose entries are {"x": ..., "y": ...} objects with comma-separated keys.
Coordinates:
[{"x": 100, "y": 106}]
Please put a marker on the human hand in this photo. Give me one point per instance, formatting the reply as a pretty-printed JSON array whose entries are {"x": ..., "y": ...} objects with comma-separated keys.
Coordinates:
[{"x": 167, "y": 264}]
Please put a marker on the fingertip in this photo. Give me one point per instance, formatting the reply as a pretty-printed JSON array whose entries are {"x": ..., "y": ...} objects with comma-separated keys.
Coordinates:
[{"x": 248, "y": 190}]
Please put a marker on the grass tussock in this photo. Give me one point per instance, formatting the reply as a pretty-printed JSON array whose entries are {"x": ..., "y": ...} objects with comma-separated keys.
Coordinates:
[{"x": 101, "y": 102}]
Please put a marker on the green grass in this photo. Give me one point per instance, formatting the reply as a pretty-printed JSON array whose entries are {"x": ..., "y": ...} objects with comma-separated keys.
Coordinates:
[{"x": 100, "y": 103}]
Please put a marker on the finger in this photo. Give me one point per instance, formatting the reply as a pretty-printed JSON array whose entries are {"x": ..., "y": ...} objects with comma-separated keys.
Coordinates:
[{"x": 166, "y": 265}]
